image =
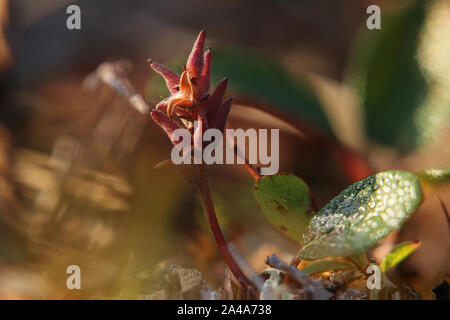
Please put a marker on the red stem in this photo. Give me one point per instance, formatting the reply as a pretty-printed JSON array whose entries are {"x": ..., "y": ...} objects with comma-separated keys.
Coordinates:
[
  {"x": 217, "y": 232},
  {"x": 254, "y": 171}
]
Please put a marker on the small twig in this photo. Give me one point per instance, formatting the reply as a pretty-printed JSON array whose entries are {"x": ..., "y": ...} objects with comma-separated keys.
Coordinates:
[
  {"x": 301, "y": 278},
  {"x": 313, "y": 287},
  {"x": 256, "y": 279}
]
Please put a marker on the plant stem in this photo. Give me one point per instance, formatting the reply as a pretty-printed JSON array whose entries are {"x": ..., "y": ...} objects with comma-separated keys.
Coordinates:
[
  {"x": 204, "y": 187},
  {"x": 254, "y": 171},
  {"x": 107, "y": 72}
]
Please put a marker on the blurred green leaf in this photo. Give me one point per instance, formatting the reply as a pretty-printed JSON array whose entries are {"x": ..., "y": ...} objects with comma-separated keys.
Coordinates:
[
  {"x": 434, "y": 175},
  {"x": 360, "y": 259},
  {"x": 398, "y": 254},
  {"x": 385, "y": 72},
  {"x": 259, "y": 78},
  {"x": 284, "y": 199},
  {"x": 326, "y": 265},
  {"x": 361, "y": 215},
  {"x": 433, "y": 116},
  {"x": 255, "y": 77}
]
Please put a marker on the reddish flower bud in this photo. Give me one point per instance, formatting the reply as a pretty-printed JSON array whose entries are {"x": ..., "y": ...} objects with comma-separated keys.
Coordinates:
[{"x": 189, "y": 99}]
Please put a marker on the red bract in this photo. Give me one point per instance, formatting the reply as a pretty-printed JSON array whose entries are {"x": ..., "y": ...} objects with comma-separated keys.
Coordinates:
[
  {"x": 172, "y": 78},
  {"x": 221, "y": 115},
  {"x": 165, "y": 123},
  {"x": 203, "y": 82},
  {"x": 194, "y": 63},
  {"x": 212, "y": 104},
  {"x": 190, "y": 93}
]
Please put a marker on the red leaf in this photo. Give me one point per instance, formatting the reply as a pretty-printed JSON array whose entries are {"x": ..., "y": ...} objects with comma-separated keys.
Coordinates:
[
  {"x": 172, "y": 78},
  {"x": 203, "y": 82},
  {"x": 195, "y": 61},
  {"x": 165, "y": 123}
]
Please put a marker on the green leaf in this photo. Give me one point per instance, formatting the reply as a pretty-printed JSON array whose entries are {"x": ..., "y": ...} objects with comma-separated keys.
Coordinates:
[
  {"x": 433, "y": 116},
  {"x": 435, "y": 175},
  {"x": 385, "y": 73},
  {"x": 360, "y": 259},
  {"x": 284, "y": 199},
  {"x": 257, "y": 78},
  {"x": 326, "y": 265},
  {"x": 398, "y": 254},
  {"x": 361, "y": 215}
]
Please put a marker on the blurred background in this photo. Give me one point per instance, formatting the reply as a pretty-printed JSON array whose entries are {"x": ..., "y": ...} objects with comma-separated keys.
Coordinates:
[{"x": 77, "y": 177}]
